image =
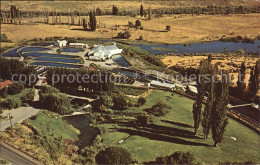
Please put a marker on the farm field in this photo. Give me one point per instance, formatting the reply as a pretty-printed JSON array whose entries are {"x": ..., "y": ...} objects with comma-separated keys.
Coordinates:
[
  {"x": 173, "y": 132},
  {"x": 184, "y": 28}
]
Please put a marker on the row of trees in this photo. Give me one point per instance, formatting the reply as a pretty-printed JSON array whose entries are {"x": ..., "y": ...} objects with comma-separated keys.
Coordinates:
[
  {"x": 71, "y": 79},
  {"x": 92, "y": 24},
  {"x": 253, "y": 85},
  {"x": 14, "y": 14},
  {"x": 214, "y": 116},
  {"x": 10, "y": 67}
]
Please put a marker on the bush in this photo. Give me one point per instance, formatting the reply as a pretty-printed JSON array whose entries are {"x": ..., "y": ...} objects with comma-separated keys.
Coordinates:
[
  {"x": 11, "y": 103},
  {"x": 4, "y": 38},
  {"x": 177, "y": 157},
  {"x": 159, "y": 109},
  {"x": 141, "y": 38},
  {"x": 142, "y": 120},
  {"x": 124, "y": 35},
  {"x": 141, "y": 28},
  {"x": 168, "y": 28},
  {"x": 120, "y": 102},
  {"x": 141, "y": 101},
  {"x": 137, "y": 23},
  {"x": 15, "y": 88},
  {"x": 113, "y": 155}
]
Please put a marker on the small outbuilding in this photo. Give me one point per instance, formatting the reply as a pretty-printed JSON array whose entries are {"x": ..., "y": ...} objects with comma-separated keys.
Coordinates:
[{"x": 61, "y": 43}]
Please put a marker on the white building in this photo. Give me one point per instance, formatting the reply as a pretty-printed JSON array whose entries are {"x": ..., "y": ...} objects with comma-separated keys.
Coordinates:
[
  {"x": 104, "y": 52},
  {"x": 61, "y": 43},
  {"x": 162, "y": 84},
  {"x": 79, "y": 45}
]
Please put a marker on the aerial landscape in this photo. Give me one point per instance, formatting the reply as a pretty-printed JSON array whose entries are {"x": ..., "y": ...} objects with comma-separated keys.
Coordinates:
[{"x": 130, "y": 82}]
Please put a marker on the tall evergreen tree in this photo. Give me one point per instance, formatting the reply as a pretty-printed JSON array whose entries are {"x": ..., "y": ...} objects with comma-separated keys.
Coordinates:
[
  {"x": 149, "y": 13},
  {"x": 219, "y": 118},
  {"x": 206, "y": 121},
  {"x": 92, "y": 21},
  {"x": 141, "y": 10},
  {"x": 254, "y": 79},
  {"x": 201, "y": 88},
  {"x": 84, "y": 24},
  {"x": 241, "y": 78}
]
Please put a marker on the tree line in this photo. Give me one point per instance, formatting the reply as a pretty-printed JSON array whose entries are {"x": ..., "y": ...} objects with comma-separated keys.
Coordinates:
[
  {"x": 215, "y": 92},
  {"x": 98, "y": 80}
]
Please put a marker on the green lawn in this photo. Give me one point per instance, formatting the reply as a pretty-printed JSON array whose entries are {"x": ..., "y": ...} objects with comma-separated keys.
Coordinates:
[
  {"x": 173, "y": 132},
  {"x": 50, "y": 124}
]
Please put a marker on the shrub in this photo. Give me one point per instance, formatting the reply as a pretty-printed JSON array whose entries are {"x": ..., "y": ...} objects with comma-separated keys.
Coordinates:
[
  {"x": 120, "y": 102},
  {"x": 137, "y": 23},
  {"x": 168, "y": 28},
  {"x": 159, "y": 109},
  {"x": 177, "y": 157},
  {"x": 113, "y": 155},
  {"x": 11, "y": 103},
  {"x": 141, "y": 101},
  {"x": 141, "y": 28},
  {"x": 142, "y": 120},
  {"x": 15, "y": 88},
  {"x": 124, "y": 35},
  {"x": 141, "y": 38}
]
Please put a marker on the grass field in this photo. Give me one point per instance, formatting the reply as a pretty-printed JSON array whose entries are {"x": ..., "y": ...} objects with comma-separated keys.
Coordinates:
[
  {"x": 173, "y": 132},
  {"x": 185, "y": 28},
  {"x": 51, "y": 124},
  {"x": 107, "y": 5}
]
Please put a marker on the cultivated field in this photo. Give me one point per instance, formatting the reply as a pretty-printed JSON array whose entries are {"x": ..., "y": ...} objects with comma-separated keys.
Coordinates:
[{"x": 184, "y": 28}]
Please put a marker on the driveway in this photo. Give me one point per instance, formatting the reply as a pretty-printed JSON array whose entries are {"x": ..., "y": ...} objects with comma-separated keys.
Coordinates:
[{"x": 19, "y": 115}]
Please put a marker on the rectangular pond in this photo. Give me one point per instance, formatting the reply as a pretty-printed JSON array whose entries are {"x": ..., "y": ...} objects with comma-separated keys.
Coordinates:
[
  {"x": 48, "y": 55},
  {"x": 68, "y": 49},
  {"x": 120, "y": 60},
  {"x": 56, "y": 64},
  {"x": 65, "y": 60},
  {"x": 12, "y": 53}
]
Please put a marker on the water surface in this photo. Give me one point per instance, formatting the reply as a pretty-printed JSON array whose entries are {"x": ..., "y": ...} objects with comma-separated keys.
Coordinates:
[{"x": 81, "y": 122}]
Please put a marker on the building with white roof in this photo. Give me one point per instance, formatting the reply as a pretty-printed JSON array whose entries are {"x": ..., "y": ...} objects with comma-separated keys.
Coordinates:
[
  {"x": 79, "y": 45},
  {"x": 104, "y": 52},
  {"x": 61, "y": 43}
]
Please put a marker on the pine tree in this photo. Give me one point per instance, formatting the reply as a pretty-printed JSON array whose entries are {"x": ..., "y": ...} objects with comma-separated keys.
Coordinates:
[
  {"x": 219, "y": 118},
  {"x": 141, "y": 10}
]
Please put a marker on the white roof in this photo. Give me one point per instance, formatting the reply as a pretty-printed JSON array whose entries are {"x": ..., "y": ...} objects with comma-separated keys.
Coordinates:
[
  {"x": 61, "y": 41},
  {"x": 162, "y": 84},
  {"x": 106, "y": 50}
]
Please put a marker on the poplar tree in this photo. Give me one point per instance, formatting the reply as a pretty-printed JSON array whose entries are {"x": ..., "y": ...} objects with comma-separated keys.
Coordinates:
[
  {"x": 219, "y": 118},
  {"x": 254, "y": 79},
  {"x": 207, "y": 113},
  {"x": 92, "y": 21},
  {"x": 241, "y": 78},
  {"x": 201, "y": 88},
  {"x": 141, "y": 10}
]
